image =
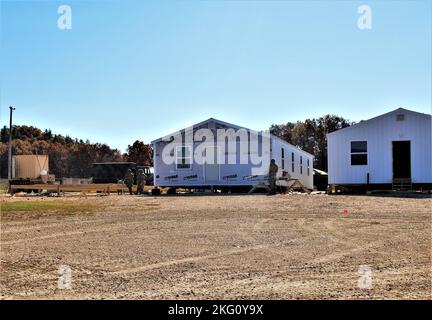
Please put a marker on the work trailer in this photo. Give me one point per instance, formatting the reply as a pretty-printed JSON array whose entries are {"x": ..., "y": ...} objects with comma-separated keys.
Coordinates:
[{"x": 185, "y": 172}]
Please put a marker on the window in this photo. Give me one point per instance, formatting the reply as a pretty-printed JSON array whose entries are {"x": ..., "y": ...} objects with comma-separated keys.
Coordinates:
[
  {"x": 292, "y": 161},
  {"x": 400, "y": 117},
  {"x": 358, "y": 153},
  {"x": 308, "y": 171},
  {"x": 301, "y": 164},
  {"x": 283, "y": 158},
  {"x": 358, "y": 146},
  {"x": 183, "y": 157}
]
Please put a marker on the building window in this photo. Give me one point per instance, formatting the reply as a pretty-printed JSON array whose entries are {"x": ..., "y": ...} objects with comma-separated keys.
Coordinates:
[
  {"x": 400, "y": 117},
  {"x": 308, "y": 171},
  {"x": 183, "y": 157},
  {"x": 292, "y": 161},
  {"x": 283, "y": 158},
  {"x": 358, "y": 153},
  {"x": 301, "y": 164}
]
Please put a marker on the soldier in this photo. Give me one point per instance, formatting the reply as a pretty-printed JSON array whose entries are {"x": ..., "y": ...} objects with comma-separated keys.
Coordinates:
[
  {"x": 141, "y": 178},
  {"x": 128, "y": 180},
  {"x": 273, "y": 169}
]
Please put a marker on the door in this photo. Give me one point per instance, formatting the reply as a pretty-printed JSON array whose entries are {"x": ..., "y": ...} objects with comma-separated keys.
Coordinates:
[
  {"x": 211, "y": 166},
  {"x": 401, "y": 159}
]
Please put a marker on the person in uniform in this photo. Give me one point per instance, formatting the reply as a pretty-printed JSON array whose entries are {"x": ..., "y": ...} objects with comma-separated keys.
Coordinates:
[
  {"x": 273, "y": 169},
  {"x": 129, "y": 179},
  {"x": 141, "y": 178}
]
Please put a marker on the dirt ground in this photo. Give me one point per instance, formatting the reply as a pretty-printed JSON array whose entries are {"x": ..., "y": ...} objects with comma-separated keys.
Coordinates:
[{"x": 217, "y": 247}]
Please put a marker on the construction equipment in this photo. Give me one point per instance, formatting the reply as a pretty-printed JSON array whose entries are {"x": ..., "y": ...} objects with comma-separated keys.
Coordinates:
[
  {"x": 112, "y": 172},
  {"x": 148, "y": 171}
]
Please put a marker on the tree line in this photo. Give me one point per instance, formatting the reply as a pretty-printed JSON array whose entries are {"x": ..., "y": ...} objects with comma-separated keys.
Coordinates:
[
  {"x": 310, "y": 135},
  {"x": 68, "y": 157}
]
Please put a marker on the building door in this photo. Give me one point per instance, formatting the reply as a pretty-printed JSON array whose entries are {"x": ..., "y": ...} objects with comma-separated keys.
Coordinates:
[
  {"x": 211, "y": 168},
  {"x": 401, "y": 159}
]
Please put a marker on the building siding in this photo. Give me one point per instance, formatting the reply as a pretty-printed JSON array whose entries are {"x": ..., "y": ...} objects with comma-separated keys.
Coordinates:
[
  {"x": 379, "y": 133},
  {"x": 162, "y": 170}
]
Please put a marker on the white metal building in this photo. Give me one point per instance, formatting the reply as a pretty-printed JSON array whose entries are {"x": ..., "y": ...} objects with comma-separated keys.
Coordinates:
[
  {"x": 382, "y": 150},
  {"x": 185, "y": 172}
]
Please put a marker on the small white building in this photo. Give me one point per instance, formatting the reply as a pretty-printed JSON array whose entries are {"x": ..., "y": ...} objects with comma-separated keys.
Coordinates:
[
  {"x": 382, "y": 151},
  {"x": 182, "y": 169}
]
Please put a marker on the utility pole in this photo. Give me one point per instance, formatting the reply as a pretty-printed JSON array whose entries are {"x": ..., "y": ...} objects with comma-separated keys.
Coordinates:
[{"x": 10, "y": 144}]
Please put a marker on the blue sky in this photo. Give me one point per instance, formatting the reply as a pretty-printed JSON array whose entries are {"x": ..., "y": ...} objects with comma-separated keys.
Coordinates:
[{"x": 132, "y": 70}]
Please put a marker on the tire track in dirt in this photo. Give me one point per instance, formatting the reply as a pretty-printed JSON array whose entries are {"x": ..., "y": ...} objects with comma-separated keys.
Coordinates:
[
  {"x": 301, "y": 222},
  {"x": 18, "y": 229},
  {"x": 187, "y": 260},
  {"x": 54, "y": 222},
  {"x": 256, "y": 227},
  {"x": 332, "y": 235},
  {"x": 347, "y": 241},
  {"x": 71, "y": 233}
]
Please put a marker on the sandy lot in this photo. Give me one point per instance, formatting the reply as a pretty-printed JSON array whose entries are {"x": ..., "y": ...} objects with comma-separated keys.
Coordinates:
[{"x": 216, "y": 247}]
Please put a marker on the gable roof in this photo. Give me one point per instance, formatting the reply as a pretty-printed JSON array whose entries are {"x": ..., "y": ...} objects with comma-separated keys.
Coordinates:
[
  {"x": 199, "y": 124},
  {"x": 227, "y": 124},
  {"x": 384, "y": 115}
]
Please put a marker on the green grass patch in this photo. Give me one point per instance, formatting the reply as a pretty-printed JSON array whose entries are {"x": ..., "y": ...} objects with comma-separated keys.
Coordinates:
[
  {"x": 36, "y": 209},
  {"x": 3, "y": 186},
  {"x": 45, "y": 206}
]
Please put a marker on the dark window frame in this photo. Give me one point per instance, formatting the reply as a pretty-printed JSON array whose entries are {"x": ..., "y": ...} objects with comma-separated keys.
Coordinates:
[
  {"x": 358, "y": 159},
  {"x": 292, "y": 162},
  {"x": 359, "y": 152},
  {"x": 283, "y": 158},
  {"x": 358, "y": 146},
  {"x": 301, "y": 164}
]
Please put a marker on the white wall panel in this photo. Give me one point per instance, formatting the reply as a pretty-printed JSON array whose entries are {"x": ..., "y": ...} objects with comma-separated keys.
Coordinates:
[{"x": 379, "y": 132}]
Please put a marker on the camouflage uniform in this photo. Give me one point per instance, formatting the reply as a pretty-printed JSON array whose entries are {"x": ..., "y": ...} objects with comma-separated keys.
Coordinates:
[
  {"x": 128, "y": 180},
  {"x": 272, "y": 176},
  {"x": 141, "y": 178}
]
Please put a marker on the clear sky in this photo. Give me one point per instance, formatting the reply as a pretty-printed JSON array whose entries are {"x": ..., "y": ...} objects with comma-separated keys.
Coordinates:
[{"x": 132, "y": 70}]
